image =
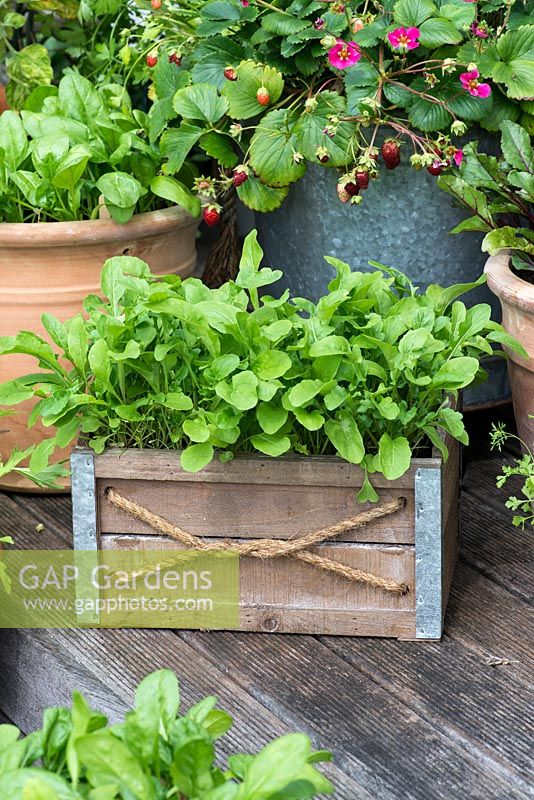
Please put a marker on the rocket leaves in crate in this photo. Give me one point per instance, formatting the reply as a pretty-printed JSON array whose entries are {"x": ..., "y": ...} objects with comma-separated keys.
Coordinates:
[
  {"x": 366, "y": 373},
  {"x": 155, "y": 753}
]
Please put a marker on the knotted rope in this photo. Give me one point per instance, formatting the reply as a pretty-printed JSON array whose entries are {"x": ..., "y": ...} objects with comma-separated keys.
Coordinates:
[{"x": 277, "y": 548}]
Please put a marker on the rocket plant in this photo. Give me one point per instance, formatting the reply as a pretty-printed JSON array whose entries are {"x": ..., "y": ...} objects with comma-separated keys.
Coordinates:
[{"x": 369, "y": 373}]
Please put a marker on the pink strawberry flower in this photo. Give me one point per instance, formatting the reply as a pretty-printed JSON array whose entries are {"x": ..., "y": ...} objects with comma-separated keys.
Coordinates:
[
  {"x": 404, "y": 38},
  {"x": 479, "y": 30},
  {"x": 245, "y": 3},
  {"x": 471, "y": 84},
  {"x": 458, "y": 157},
  {"x": 344, "y": 54}
]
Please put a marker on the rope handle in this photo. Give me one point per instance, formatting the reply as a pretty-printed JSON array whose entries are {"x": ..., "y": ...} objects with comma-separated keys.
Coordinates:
[{"x": 277, "y": 548}]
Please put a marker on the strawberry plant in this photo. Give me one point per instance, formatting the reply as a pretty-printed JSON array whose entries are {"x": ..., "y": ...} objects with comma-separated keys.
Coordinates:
[
  {"x": 499, "y": 193},
  {"x": 366, "y": 373},
  {"x": 157, "y": 753},
  {"x": 276, "y": 87},
  {"x": 75, "y": 148}
]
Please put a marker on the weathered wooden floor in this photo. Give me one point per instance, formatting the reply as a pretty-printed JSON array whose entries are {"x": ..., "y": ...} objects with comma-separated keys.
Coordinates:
[{"x": 451, "y": 720}]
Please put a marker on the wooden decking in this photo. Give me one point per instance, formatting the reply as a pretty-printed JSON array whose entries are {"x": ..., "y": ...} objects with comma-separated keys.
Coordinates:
[{"x": 449, "y": 720}]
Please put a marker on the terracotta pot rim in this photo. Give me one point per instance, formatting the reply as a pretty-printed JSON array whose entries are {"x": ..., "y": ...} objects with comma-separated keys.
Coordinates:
[
  {"x": 509, "y": 287},
  {"x": 140, "y": 226}
]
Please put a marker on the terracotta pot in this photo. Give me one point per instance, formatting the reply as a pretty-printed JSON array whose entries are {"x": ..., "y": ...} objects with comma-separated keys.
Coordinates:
[
  {"x": 3, "y": 99},
  {"x": 52, "y": 266},
  {"x": 517, "y": 302}
]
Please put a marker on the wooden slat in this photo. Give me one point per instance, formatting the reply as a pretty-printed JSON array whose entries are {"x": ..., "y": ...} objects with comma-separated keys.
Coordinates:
[
  {"x": 376, "y": 728},
  {"x": 497, "y": 549},
  {"x": 280, "y": 593},
  {"x": 164, "y": 465},
  {"x": 487, "y": 708},
  {"x": 20, "y": 516},
  {"x": 242, "y": 510}
]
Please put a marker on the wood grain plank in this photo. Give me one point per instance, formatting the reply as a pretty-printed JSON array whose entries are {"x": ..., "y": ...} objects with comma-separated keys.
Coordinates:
[
  {"x": 492, "y": 545},
  {"x": 20, "y": 521},
  {"x": 303, "y": 680},
  {"x": 251, "y": 510},
  {"x": 453, "y": 685},
  {"x": 4, "y": 720},
  {"x": 491, "y": 621},
  {"x": 288, "y": 583},
  {"x": 164, "y": 465}
]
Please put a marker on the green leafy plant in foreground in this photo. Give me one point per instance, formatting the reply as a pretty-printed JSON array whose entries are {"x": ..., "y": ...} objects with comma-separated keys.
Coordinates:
[
  {"x": 75, "y": 148},
  {"x": 155, "y": 754},
  {"x": 522, "y": 467},
  {"x": 500, "y": 195},
  {"x": 367, "y": 373}
]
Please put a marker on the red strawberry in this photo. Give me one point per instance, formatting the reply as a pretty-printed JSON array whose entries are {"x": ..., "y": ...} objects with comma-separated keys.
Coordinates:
[
  {"x": 436, "y": 168},
  {"x": 230, "y": 74},
  {"x": 174, "y": 58},
  {"x": 211, "y": 215},
  {"x": 391, "y": 154},
  {"x": 151, "y": 60},
  {"x": 362, "y": 179},
  {"x": 240, "y": 175},
  {"x": 351, "y": 188},
  {"x": 262, "y": 96},
  {"x": 156, "y": 4}
]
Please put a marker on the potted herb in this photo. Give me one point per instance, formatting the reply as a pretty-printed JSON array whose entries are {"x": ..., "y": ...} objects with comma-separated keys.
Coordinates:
[
  {"x": 156, "y": 752},
  {"x": 500, "y": 195},
  {"x": 346, "y": 398},
  {"x": 522, "y": 468},
  {"x": 79, "y": 183},
  {"x": 41, "y": 40},
  {"x": 301, "y": 104}
]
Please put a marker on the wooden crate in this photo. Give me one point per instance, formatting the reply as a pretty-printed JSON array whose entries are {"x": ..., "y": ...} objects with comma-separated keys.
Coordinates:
[{"x": 257, "y": 497}]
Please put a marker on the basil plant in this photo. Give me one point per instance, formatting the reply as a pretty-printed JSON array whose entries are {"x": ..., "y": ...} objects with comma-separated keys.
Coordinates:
[
  {"x": 157, "y": 753},
  {"x": 76, "y": 147}
]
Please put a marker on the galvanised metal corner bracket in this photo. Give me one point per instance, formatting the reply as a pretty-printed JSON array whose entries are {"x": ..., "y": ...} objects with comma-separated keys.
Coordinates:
[
  {"x": 84, "y": 525},
  {"x": 428, "y": 555},
  {"x": 84, "y": 530}
]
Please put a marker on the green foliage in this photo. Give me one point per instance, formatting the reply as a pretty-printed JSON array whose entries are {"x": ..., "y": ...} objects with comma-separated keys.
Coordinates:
[
  {"x": 155, "y": 753},
  {"x": 367, "y": 373},
  {"x": 73, "y": 144},
  {"x": 500, "y": 194},
  {"x": 522, "y": 468},
  {"x": 319, "y": 113},
  {"x": 47, "y": 37},
  {"x": 510, "y": 61}
]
